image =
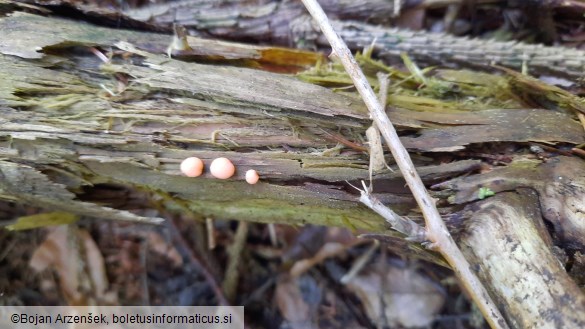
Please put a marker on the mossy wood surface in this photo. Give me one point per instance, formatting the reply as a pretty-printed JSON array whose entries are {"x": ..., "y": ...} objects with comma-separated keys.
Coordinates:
[
  {"x": 70, "y": 121},
  {"x": 63, "y": 130}
]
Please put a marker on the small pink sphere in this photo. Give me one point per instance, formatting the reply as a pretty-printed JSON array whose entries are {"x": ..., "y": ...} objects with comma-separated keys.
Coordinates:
[
  {"x": 252, "y": 176},
  {"x": 222, "y": 168},
  {"x": 192, "y": 167}
]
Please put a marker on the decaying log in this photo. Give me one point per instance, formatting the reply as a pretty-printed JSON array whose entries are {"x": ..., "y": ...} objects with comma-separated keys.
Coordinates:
[
  {"x": 287, "y": 23},
  {"x": 80, "y": 135},
  {"x": 70, "y": 123},
  {"x": 560, "y": 184},
  {"x": 506, "y": 239}
]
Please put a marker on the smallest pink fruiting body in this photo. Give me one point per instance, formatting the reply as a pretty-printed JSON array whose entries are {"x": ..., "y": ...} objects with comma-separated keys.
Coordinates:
[
  {"x": 222, "y": 168},
  {"x": 192, "y": 167},
  {"x": 252, "y": 176}
]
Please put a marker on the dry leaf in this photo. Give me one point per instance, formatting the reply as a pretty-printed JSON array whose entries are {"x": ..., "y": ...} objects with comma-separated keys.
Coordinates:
[
  {"x": 409, "y": 298},
  {"x": 56, "y": 251},
  {"x": 96, "y": 269},
  {"x": 315, "y": 244},
  {"x": 75, "y": 257},
  {"x": 306, "y": 243},
  {"x": 161, "y": 247},
  {"x": 330, "y": 249},
  {"x": 293, "y": 305}
]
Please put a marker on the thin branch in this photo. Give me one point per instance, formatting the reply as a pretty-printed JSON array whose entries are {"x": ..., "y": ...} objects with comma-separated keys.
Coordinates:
[
  {"x": 232, "y": 275},
  {"x": 360, "y": 263},
  {"x": 437, "y": 231},
  {"x": 412, "y": 230}
]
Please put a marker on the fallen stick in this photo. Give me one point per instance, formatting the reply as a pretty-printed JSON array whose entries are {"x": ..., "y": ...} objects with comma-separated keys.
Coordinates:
[{"x": 437, "y": 232}]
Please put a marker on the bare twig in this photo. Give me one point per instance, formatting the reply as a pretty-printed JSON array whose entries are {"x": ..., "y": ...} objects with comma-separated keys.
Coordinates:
[
  {"x": 360, "y": 263},
  {"x": 412, "y": 230},
  {"x": 384, "y": 82},
  {"x": 272, "y": 234},
  {"x": 211, "y": 243},
  {"x": 232, "y": 275},
  {"x": 437, "y": 232}
]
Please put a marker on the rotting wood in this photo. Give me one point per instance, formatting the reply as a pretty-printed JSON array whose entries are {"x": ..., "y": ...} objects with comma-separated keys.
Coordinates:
[
  {"x": 73, "y": 131},
  {"x": 501, "y": 125},
  {"x": 69, "y": 33},
  {"x": 287, "y": 24},
  {"x": 506, "y": 239},
  {"x": 560, "y": 184}
]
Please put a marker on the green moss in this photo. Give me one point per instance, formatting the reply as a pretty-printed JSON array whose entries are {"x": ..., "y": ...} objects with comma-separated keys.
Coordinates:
[
  {"x": 282, "y": 212},
  {"x": 43, "y": 220}
]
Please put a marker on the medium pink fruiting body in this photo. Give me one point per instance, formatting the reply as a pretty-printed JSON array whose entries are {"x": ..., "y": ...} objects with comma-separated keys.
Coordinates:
[
  {"x": 192, "y": 167},
  {"x": 252, "y": 176},
  {"x": 222, "y": 168}
]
